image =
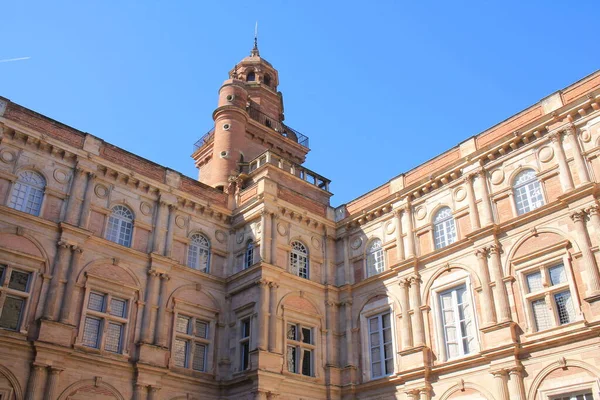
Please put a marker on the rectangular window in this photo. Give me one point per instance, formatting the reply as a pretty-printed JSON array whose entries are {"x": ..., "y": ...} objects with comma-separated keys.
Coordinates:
[
  {"x": 458, "y": 322},
  {"x": 14, "y": 289},
  {"x": 245, "y": 344},
  {"x": 191, "y": 345},
  {"x": 586, "y": 395},
  {"x": 300, "y": 349},
  {"x": 104, "y": 322},
  {"x": 381, "y": 348},
  {"x": 549, "y": 297}
]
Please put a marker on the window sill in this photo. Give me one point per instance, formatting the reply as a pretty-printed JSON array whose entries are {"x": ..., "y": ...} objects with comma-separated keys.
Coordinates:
[
  {"x": 300, "y": 376},
  {"x": 103, "y": 353},
  {"x": 580, "y": 323},
  {"x": 191, "y": 372}
]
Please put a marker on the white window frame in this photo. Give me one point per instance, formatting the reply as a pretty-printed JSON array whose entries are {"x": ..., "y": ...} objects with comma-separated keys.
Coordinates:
[
  {"x": 195, "y": 249},
  {"x": 5, "y": 292},
  {"x": 443, "y": 284},
  {"x": 379, "y": 307},
  {"x": 191, "y": 338},
  {"x": 300, "y": 348},
  {"x": 31, "y": 190},
  {"x": 446, "y": 227},
  {"x": 244, "y": 343},
  {"x": 573, "y": 387},
  {"x": 201, "y": 313},
  {"x": 543, "y": 263},
  {"x": 527, "y": 187},
  {"x": 296, "y": 257},
  {"x": 105, "y": 319},
  {"x": 249, "y": 254},
  {"x": 374, "y": 257},
  {"x": 121, "y": 225}
]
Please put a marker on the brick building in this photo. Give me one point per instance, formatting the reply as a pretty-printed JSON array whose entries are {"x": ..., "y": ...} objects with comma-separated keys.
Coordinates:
[{"x": 472, "y": 276}]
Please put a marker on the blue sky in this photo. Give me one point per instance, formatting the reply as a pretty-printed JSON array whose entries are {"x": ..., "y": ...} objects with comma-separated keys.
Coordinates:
[{"x": 379, "y": 86}]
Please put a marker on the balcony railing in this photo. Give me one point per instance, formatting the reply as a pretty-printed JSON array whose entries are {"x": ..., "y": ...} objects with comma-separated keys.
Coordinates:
[
  {"x": 208, "y": 136},
  {"x": 299, "y": 171},
  {"x": 277, "y": 126}
]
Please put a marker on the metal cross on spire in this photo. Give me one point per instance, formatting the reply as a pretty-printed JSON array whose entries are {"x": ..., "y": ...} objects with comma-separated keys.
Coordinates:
[{"x": 254, "y": 51}]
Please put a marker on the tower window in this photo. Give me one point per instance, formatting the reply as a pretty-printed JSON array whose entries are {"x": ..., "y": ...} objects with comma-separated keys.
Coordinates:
[
  {"x": 251, "y": 77},
  {"x": 267, "y": 80}
]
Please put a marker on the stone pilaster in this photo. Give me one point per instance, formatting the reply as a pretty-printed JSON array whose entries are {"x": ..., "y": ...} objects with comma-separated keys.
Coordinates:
[
  {"x": 67, "y": 313},
  {"x": 263, "y": 301},
  {"x": 473, "y": 212},
  {"x": 170, "y": 229},
  {"x": 73, "y": 206},
  {"x": 139, "y": 392},
  {"x": 273, "y": 316},
  {"x": 347, "y": 265},
  {"x": 151, "y": 293},
  {"x": 399, "y": 239},
  {"x": 265, "y": 251},
  {"x": 515, "y": 384},
  {"x": 158, "y": 241},
  {"x": 590, "y": 267},
  {"x": 487, "y": 308},
  {"x": 329, "y": 325},
  {"x": 84, "y": 217},
  {"x": 405, "y": 325},
  {"x": 160, "y": 334},
  {"x": 36, "y": 378},
  {"x": 349, "y": 344},
  {"x": 153, "y": 392},
  {"x": 410, "y": 233},
  {"x": 417, "y": 317},
  {"x": 500, "y": 383},
  {"x": 62, "y": 260},
  {"x": 486, "y": 205},
  {"x": 53, "y": 381},
  {"x": 580, "y": 163},
  {"x": 500, "y": 293},
  {"x": 566, "y": 181}
]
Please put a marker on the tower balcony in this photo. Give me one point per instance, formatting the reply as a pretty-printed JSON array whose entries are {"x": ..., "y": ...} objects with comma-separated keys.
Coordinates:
[
  {"x": 264, "y": 120},
  {"x": 268, "y": 157}
]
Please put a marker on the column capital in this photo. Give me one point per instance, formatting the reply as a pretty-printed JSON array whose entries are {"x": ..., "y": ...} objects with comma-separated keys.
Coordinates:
[
  {"x": 164, "y": 277},
  {"x": 481, "y": 253},
  {"x": 494, "y": 249},
  {"x": 55, "y": 370},
  {"x": 262, "y": 282},
  {"x": 555, "y": 136},
  {"x": 415, "y": 279},
  {"x": 273, "y": 285},
  {"x": 153, "y": 389},
  {"x": 330, "y": 303},
  {"x": 515, "y": 371},
  {"x": 404, "y": 282},
  {"x": 398, "y": 211},
  {"x": 578, "y": 216},
  {"x": 91, "y": 175},
  {"x": 61, "y": 244},
  {"x": 593, "y": 210},
  {"x": 153, "y": 272},
  {"x": 346, "y": 303},
  {"x": 499, "y": 373},
  {"x": 39, "y": 367},
  {"x": 568, "y": 129}
]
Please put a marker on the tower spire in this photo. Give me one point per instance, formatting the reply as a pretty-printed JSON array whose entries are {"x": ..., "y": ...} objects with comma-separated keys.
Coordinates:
[{"x": 254, "y": 52}]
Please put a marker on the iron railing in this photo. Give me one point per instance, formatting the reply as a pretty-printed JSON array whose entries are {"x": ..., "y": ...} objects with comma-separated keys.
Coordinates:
[
  {"x": 277, "y": 126},
  {"x": 265, "y": 120}
]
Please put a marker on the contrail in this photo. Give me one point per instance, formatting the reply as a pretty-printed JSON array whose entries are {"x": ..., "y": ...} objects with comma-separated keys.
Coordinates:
[{"x": 14, "y": 59}]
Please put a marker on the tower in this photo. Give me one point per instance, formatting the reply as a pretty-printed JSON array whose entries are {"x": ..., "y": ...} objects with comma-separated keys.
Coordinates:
[{"x": 248, "y": 122}]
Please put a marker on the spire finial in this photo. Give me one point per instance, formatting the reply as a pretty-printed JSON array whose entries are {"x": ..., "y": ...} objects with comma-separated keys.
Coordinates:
[{"x": 254, "y": 51}]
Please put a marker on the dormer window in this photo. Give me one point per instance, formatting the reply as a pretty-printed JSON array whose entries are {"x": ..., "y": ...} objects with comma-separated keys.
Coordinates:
[
  {"x": 251, "y": 77},
  {"x": 267, "y": 80}
]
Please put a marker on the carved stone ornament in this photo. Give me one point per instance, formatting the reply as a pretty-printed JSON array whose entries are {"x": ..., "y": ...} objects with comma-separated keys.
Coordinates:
[
  {"x": 220, "y": 236},
  {"x": 256, "y": 228},
  {"x": 356, "y": 243},
  {"x": 586, "y": 136},
  {"x": 239, "y": 237},
  {"x": 145, "y": 208},
  {"x": 497, "y": 176},
  {"x": 390, "y": 227},
  {"x": 61, "y": 176},
  {"x": 282, "y": 229},
  {"x": 315, "y": 242},
  {"x": 545, "y": 154},
  {"x": 7, "y": 156},
  {"x": 180, "y": 221},
  {"x": 421, "y": 212},
  {"x": 101, "y": 191},
  {"x": 460, "y": 194}
]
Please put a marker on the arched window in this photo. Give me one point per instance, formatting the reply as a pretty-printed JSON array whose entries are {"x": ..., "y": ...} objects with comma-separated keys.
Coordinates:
[
  {"x": 299, "y": 260},
  {"x": 267, "y": 80},
  {"x": 199, "y": 253},
  {"x": 527, "y": 191},
  {"x": 120, "y": 226},
  {"x": 28, "y": 192},
  {"x": 251, "y": 77},
  {"x": 375, "y": 263},
  {"x": 249, "y": 255},
  {"x": 444, "y": 230}
]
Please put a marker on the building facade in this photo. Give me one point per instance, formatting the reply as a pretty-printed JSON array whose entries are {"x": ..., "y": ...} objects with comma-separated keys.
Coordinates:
[{"x": 472, "y": 276}]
